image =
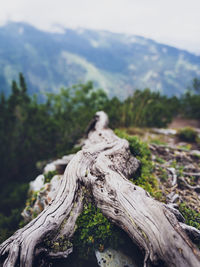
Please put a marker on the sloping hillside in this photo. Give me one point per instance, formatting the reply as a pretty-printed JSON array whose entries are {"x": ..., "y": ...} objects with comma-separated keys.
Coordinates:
[{"x": 117, "y": 63}]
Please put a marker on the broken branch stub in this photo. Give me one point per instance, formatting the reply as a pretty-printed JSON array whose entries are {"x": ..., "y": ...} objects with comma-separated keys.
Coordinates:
[{"x": 104, "y": 166}]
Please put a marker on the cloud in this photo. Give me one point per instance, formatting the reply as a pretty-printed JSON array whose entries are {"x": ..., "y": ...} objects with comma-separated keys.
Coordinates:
[{"x": 175, "y": 22}]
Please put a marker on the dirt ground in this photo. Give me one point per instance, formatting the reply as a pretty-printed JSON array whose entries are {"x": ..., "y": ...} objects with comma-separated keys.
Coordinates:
[{"x": 178, "y": 123}]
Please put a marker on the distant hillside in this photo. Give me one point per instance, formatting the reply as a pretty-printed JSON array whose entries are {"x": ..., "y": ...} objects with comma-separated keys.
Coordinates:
[{"x": 118, "y": 63}]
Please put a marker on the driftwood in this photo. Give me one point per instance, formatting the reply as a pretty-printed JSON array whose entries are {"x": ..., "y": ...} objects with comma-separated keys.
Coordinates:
[{"x": 104, "y": 166}]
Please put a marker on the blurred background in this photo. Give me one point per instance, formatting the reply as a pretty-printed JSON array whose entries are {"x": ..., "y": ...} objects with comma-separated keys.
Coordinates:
[{"x": 61, "y": 61}]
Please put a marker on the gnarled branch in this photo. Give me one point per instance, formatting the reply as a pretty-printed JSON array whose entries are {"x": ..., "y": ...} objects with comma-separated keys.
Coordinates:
[{"x": 104, "y": 165}]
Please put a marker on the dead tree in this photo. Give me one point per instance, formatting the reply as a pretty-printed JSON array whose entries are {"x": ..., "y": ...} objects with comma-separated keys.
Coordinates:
[{"x": 104, "y": 165}]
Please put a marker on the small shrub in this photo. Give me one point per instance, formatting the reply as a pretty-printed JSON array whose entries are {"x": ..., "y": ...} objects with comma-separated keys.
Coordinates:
[{"x": 187, "y": 134}]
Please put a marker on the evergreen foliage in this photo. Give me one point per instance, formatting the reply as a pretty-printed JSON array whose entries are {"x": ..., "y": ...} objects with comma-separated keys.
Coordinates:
[
  {"x": 31, "y": 131},
  {"x": 188, "y": 134},
  {"x": 149, "y": 109}
]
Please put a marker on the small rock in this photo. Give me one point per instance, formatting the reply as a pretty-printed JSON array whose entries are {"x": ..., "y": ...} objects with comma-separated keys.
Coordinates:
[
  {"x": 113, "y": 258},
  {"x": 37, "y": 184},
  {"x": 195, "y": 153},
  {"x": 59, "y": 165},
  {"x": 165, "y": 131},
  {"x": 49, "y": 167},
  {"x": 54, "y": 186}
]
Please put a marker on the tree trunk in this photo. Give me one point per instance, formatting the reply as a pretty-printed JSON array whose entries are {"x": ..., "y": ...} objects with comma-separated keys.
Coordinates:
[{"x": 104, "y": 166}]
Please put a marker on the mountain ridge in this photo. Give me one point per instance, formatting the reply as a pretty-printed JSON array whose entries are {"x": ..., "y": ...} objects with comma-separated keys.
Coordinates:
[{"x": 118, "y": 63}]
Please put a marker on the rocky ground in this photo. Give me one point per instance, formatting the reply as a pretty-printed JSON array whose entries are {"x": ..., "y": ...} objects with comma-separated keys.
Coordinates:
[
  {"x": 178, "y": 172},
  {"x": 176, "y": 164}
]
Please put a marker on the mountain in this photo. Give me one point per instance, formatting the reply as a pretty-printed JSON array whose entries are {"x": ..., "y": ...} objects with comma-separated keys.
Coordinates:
[{"x": 118, "y": 63}]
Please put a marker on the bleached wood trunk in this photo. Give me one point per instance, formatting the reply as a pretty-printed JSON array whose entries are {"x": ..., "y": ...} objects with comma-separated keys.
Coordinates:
[{"x": 103, "y": 166}]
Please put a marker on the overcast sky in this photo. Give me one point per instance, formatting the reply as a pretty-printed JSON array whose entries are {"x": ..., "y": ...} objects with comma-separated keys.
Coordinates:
[{"x": 173, "y": 22}]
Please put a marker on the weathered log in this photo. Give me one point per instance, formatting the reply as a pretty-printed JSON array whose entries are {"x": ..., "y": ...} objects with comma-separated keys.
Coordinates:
[{"x": 104, "y": 166}]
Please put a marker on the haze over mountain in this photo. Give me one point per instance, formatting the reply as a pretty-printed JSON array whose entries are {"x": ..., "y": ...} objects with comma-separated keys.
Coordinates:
[{"x": 118, "y": 63}]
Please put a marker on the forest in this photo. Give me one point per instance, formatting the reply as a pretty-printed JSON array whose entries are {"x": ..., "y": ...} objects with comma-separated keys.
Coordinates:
[{"x": 32, "y": 132}]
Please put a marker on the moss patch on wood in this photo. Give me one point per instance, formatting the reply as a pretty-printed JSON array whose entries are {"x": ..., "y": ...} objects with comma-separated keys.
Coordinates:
[
  {"x": 95, "y": 231},
  {"x": 144, "y": 176}
]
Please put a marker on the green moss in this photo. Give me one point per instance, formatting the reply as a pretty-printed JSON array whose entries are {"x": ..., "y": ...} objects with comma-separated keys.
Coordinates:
[
  {"x": 160, "y": 160},
  {"x": 137, "y": 147},
  {"x": 157, "y": 141},
  {"x": 60, "y": 245},
  {"x": 180, "y": 170},
  {"x": 196, "y": 155},
  {"x": 35, "y": 214},
  {"x": 144, "y": 176},
  {"x": 174, "y": 164},
  {"x": 192, "y": 217},
  {"x": 49, "y": 175},
  {"x": 186, "y": 147},
  {"x": 163, "y": 174},
  {"x": 95, "y": 231}
]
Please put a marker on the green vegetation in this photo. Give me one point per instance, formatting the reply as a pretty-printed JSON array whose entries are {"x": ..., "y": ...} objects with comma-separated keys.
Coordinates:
[
  {"x": 7, "y": 223},
  {"x": 163, "y": 174},
  {"x": 94, "y": 231},
  {"x": 188, "y": 134},
  {"x": 190, "y": 101},
  {"x": 159, "y": 160},
  {"x": 137, "y": 147},
  {"x": 149, "y": 109},
  {"x": 157, "y": 141},
  {"x": 186, "y": 147},
  {"x": 31, "y": 132},
  {"x": 191, "y": 216},
  {"x": 144, "y": 176},
  {"x": 115, "y": 62},
  {"x": 12, "y": 202},
  {"x": 49, "y": 175}
]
